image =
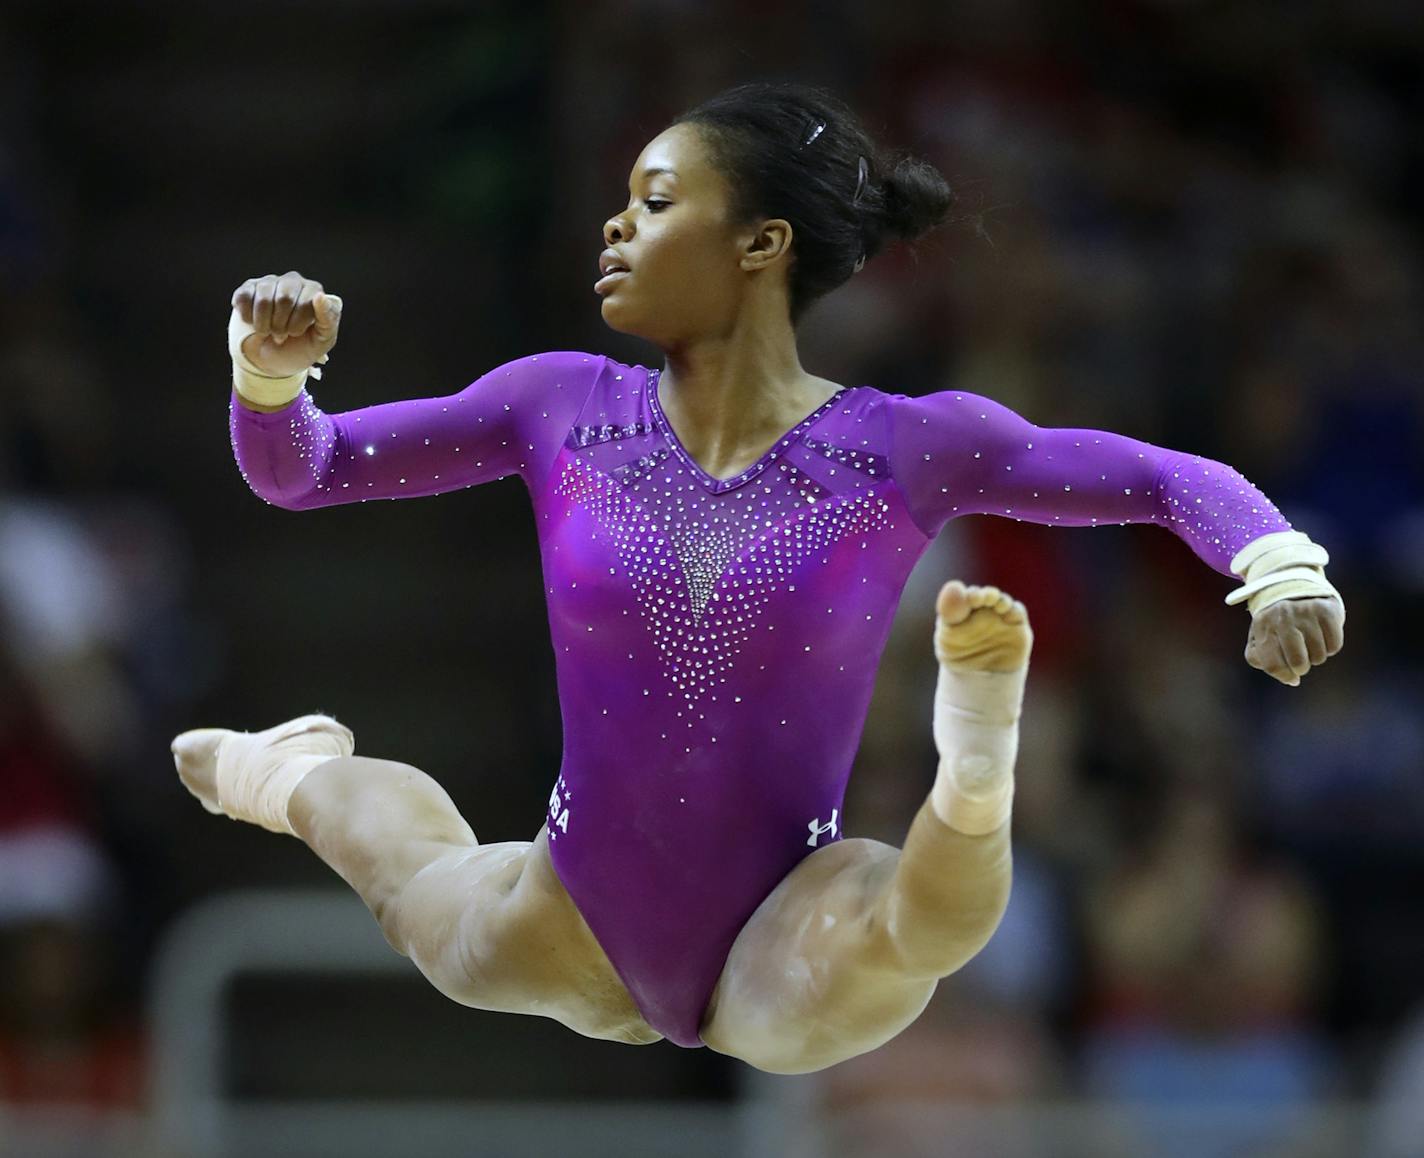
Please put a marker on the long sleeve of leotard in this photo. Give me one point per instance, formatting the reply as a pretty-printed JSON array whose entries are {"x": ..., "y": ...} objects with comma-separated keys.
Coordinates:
[
  {"x": 955, "y": 453},
  {"x": 510, "y": 420}
]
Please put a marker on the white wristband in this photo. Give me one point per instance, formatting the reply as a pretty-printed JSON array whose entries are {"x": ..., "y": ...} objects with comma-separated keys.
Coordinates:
[
  {"x": 1269, "y": 551},
  {"x": 1280, "y": 565}
]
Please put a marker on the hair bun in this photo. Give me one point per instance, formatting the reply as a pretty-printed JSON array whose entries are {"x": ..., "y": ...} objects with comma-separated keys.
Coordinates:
[{"x": 917, "y": 197}]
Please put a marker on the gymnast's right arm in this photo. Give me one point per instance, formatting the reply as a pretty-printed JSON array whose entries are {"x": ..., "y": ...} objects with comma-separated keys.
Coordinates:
[{"x": 511, "y": 420}]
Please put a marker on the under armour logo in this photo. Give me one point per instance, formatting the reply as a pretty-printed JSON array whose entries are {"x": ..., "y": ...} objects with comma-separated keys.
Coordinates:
[{"x": 817, "y": 830}]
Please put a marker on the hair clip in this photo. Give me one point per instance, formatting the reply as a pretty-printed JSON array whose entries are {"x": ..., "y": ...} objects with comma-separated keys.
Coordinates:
[{"x": 815, "y": 132}]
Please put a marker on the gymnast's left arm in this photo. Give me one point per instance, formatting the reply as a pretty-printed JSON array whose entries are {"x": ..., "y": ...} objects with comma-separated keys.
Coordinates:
[{"x": 956, "y": 453}]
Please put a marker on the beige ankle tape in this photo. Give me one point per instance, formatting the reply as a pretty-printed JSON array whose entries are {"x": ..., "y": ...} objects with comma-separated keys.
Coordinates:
[
  {"x": 255, "y": 781},
  {"x": 976, "y": 731},
  {"x": 971, "y": 815}
]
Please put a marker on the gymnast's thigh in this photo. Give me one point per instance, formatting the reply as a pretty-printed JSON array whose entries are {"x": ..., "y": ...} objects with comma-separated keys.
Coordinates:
[
  {"x": 522, "y": 946},
  {"x": 813, "y": 978}
]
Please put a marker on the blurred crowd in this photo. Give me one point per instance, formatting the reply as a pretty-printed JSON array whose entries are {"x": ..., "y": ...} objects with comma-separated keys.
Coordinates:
[{"x": 1196, "y": 227}]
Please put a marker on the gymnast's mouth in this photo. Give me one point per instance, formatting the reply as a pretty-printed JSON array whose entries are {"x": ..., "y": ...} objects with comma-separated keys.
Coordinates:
[
  {"x": 610, "y": 279},
  {"x": 611, "y": 261}
]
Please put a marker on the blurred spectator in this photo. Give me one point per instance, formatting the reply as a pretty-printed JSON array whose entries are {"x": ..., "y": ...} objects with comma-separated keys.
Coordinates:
[
  {"x": 1204, "y": 964},
  {"x": 1397, "y": 1129},
  {"x": 1344, "y": 758},
  {"x": 63, "y": 1036}
]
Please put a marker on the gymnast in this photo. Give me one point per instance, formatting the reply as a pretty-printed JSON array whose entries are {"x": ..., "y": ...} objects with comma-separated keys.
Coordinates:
[{"x": 724, "y": 540}]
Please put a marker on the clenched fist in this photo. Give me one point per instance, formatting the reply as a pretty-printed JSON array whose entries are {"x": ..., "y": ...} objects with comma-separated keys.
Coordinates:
[
  {"x": 293, "y": 320},
  {"x": 1288, "y": 638}
]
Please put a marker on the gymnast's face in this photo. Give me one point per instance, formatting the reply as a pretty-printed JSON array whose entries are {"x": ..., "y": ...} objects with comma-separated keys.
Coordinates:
[{"x": 689, "y": 267}]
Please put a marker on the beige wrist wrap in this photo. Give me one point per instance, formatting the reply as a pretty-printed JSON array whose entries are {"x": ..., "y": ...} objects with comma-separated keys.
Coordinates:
[
  {"x": 252, "y": 383},
  {"x": 1280, "y": 565}
]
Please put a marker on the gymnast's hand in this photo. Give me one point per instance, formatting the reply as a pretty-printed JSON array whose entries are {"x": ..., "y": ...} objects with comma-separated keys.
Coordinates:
[
  {"x": 1289, "y": 637},
  {"x": 294, "y": 322}
]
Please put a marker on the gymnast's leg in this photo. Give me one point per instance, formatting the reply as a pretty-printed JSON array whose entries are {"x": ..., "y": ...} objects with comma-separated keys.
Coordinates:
[
  {"x": 957, "y": 858},
  {"x": 847, "y": 950},
  {"x": 488, "y": 925}
]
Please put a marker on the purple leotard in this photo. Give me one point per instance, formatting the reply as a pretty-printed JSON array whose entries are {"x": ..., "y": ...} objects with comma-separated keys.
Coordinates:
[{"x": 717, "y": 639}]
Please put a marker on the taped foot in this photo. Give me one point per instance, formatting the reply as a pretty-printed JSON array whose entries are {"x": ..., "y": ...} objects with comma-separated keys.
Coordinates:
[
  {"x": 982, "y": 641},
  {"x": 251, "y": 775}
]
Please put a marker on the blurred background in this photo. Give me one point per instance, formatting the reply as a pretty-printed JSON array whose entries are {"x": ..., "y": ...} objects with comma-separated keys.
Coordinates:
[{"x": 1194, "y": 223}]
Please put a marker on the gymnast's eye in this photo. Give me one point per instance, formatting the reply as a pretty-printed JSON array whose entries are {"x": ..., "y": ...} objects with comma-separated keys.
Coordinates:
[{"x": 651, "y": 203}]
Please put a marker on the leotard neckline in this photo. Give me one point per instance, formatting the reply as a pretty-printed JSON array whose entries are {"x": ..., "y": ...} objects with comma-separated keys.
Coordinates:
[{"x": 711, "y": 482}]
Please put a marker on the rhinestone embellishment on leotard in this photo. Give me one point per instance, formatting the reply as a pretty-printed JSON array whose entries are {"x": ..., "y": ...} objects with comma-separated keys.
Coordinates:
[
  {"x": 873, "y": 465},
  {"x": 631, "y": 472},
  {"x": 587, "y": 435},
  {"x": 702, "y": 567}
]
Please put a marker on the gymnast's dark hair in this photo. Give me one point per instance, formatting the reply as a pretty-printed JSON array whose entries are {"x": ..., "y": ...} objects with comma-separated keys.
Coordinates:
[{"x": 793, "y": 150}]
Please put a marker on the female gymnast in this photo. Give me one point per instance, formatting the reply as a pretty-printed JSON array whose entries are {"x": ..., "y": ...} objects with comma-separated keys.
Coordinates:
[{"x": 723, "y": 542}]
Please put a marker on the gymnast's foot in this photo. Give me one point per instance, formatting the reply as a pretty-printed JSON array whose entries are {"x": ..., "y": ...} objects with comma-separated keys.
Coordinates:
[
  {"x": 982, "y": 640},
  {"x": 981, "y": 629},
  {"x": 250, "y": 775}
]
